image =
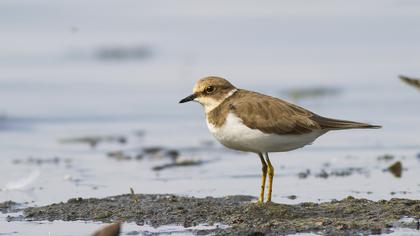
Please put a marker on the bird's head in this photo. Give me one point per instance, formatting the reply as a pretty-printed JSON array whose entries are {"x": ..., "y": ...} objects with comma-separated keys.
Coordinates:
[{"x": 210, "y": 92}]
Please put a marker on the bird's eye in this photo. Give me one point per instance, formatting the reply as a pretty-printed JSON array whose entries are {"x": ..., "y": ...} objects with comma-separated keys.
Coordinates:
[{"x": 210, "y": 89}]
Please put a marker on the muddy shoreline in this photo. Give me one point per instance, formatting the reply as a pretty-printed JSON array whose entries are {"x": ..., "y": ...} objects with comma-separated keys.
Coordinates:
[
  {"x": 9, "y": 206},
  {"x": 241, "y": 213}
]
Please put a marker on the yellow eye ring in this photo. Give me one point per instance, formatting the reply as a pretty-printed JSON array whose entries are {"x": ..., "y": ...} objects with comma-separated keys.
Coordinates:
[{"x": 210, "y": 89}]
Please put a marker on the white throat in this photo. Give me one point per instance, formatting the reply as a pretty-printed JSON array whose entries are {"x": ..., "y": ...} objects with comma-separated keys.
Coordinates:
[{"x": 210, "y": 105}]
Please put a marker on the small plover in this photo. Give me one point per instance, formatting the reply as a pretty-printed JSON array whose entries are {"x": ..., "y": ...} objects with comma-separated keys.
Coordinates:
[{"x": 253, "y": 122}]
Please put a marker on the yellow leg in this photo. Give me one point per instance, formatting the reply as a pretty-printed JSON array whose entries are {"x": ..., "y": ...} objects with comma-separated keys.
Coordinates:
[
  {"x": 270, "y": 177},
  {"x": 264, "y": 176}
]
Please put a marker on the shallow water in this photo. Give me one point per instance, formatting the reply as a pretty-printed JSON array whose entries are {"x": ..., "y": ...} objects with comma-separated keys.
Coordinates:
[
  {"x": 64, "y": 228},
  {"x": 54, "y": 85}
]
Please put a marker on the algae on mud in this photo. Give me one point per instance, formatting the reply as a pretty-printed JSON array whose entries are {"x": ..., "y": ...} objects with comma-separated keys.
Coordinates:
[{"x": 347, "y": 216}]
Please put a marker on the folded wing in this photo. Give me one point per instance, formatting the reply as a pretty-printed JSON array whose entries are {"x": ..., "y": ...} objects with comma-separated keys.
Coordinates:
[{"x": 273, "y": 115}]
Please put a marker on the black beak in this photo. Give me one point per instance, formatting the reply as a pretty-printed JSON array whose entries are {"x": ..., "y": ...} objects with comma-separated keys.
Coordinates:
[{"x": 188, "y": 99}]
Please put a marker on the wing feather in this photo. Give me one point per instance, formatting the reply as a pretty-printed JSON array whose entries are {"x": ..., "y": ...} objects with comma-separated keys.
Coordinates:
[
  {"x": 276, "y": 116},
  {"x": 272, "y": 115}
]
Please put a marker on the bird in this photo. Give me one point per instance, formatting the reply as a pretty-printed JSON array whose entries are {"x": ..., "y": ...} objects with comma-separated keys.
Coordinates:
[
  {"x": 411, "y": 81},
  {"x": 253, "y": 122}
]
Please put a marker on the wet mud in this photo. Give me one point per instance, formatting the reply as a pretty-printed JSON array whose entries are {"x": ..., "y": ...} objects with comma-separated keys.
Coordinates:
[
  {"x": 173, "y": 157},
  {"x": 241, "y": 213},
  {"x": 327, "y": 173},
  {"x": 9, "y": 206},
  {"x": 93, "y": 141}
]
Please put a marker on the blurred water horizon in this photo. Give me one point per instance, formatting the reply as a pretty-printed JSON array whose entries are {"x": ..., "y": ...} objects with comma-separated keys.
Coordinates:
[{"x": 51, "y": 52}]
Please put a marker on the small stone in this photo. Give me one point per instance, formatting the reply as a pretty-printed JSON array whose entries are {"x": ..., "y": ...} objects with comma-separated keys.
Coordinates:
[
  {"x": 109, "y": 230},
  {"x": 396, "y": 169},
  {"x": 319, "y": 223},
  {"x": 342, "y": 226}
]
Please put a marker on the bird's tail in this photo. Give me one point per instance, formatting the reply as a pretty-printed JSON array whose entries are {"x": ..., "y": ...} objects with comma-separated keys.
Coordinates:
[{"x": 334, "y": 124}]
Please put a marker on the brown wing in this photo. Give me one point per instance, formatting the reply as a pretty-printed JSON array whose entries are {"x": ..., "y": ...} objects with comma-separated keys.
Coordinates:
[{"x": 271, "y": 115}]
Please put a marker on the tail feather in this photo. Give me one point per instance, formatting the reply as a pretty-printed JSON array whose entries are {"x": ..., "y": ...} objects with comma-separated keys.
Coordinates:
[{"x": 334, "y": 124}]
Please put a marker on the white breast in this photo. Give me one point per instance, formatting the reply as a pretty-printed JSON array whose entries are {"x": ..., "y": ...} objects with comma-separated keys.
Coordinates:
[{"x": 235, "y": 135}]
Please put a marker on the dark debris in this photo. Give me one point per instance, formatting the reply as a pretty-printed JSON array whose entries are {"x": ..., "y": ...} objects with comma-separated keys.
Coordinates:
[
  {"x": 8, "y": 206},
  {"x": 396, "y": 169}
]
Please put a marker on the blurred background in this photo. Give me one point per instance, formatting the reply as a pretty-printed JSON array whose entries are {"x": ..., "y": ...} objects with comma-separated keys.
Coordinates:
[{"x": 89, "y": 95}]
